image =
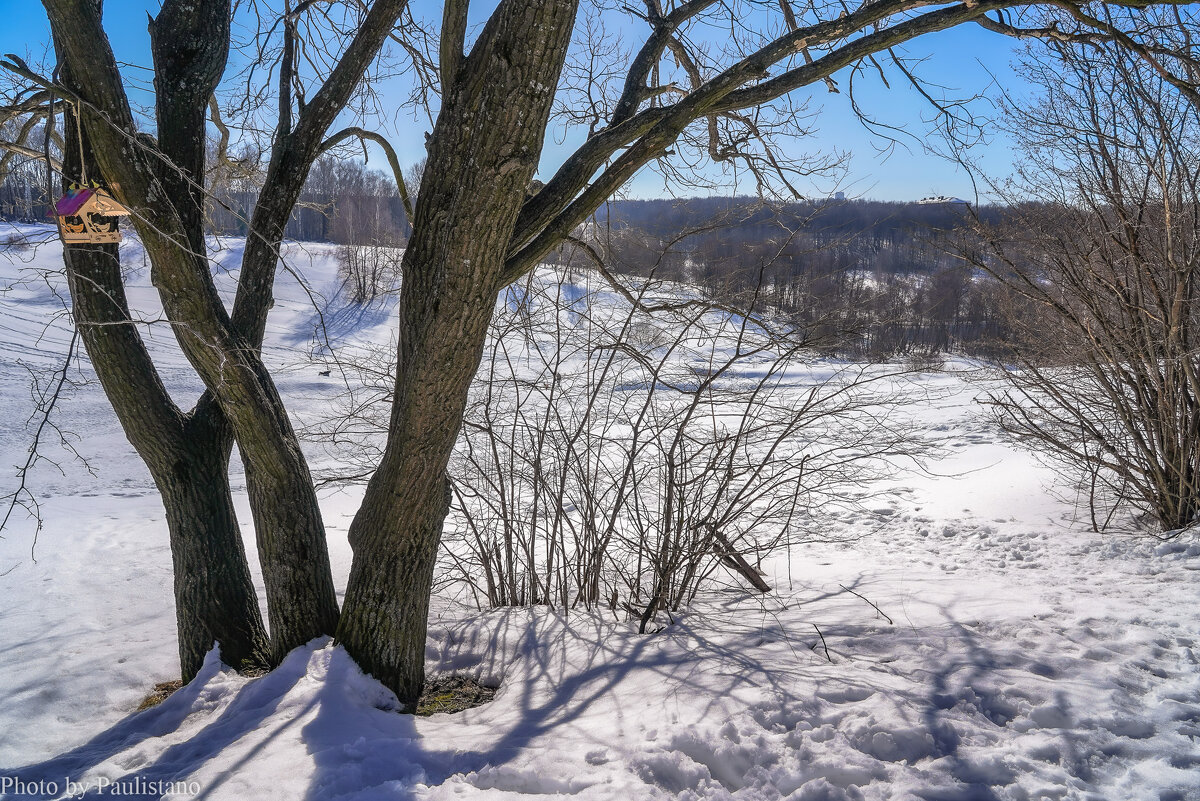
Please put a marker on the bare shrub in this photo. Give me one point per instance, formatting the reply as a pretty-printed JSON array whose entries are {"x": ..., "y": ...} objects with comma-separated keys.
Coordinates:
[
  {"x": 368, "y": 271},
  {"x": 598, "y": 468},
  {"x": 1106, "y": 381},
  {"x": 16, "y": 243},
  {"x": 629, "y": 443}
]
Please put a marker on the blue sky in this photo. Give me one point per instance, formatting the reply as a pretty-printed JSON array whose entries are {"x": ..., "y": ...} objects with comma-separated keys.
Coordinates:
[{"x": 962, "y": 61}]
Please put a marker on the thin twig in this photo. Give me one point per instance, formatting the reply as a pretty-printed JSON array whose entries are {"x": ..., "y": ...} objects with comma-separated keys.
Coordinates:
[
  {"x": 823, "y": 643},
  {"x": 22, "y": 489},
  {"x": 872, "y": 603}
]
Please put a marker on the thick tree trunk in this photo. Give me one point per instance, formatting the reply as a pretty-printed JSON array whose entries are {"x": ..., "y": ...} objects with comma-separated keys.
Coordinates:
[
  {"x": 214, "y": 593},
  {"x": 396, "y": 533},
  {"x": 190, "y": 42},
  {"x": 189, "y": 51},
  {"x": 301, "y": 600},
  {"x": 188, "y": 457},
  {"x": 482, "y": 154}
]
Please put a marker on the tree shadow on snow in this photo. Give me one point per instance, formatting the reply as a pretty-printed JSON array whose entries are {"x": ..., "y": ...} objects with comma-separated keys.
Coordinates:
[
  {"x": 250, "y": 707},
  {"x": 555, "y": 667},
  {"x": 981, "y": 668},
  {"x": 357, "y": 744}
]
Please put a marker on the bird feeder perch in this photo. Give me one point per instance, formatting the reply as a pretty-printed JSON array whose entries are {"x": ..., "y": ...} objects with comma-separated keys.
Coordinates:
[{"x": 88, "y": 215}]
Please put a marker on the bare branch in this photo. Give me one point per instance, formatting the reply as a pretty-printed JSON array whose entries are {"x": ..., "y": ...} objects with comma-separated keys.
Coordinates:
[{"x": 373, "y": 136}]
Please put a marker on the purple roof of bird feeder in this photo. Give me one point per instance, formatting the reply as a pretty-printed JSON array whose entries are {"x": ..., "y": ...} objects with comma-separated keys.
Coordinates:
[{"x": 70, "y": 203}]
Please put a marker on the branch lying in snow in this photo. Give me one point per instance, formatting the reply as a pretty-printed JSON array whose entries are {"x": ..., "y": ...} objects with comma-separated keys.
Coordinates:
[
  {"x": 823, "y": 643},
  {"x": 872, "y": 603}
]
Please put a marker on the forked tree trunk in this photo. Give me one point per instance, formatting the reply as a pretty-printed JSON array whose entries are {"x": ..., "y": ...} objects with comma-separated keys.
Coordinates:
[
  {"x": 215, "y": 599},
  {"x": 190, "y": 40},
  {"x": 482, "y": 155},
  {"x": 187, "y": 454}
]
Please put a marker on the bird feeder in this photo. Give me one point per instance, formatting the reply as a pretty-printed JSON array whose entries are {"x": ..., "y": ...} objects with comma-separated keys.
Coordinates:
[{"x": 88, "y": 215}]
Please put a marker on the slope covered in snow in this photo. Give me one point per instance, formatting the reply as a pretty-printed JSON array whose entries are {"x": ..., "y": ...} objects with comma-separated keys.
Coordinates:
[{"x": 976, "y": 642}]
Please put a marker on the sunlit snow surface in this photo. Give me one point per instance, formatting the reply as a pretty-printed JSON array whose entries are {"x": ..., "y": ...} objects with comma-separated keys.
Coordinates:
[{"x": 1026, "y": 657}]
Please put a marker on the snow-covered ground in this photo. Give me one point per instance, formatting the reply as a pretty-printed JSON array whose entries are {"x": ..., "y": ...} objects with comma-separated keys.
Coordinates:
[{"x": 1013, "y": 655}]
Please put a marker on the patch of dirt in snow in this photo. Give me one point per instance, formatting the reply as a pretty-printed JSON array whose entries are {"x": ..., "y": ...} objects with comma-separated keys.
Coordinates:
[
  {"x": 450, "y": 694},
  {"x": 161, "y": 692}
]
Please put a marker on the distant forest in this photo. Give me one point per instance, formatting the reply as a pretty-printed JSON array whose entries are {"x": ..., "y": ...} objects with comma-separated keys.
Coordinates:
[
  {"x": 883, "y": 279},
  {"x": 879, "y": 279}
]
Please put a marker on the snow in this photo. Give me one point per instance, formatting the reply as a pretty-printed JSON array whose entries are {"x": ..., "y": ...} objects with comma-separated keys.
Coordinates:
[{"x": 1025, "y": 657}]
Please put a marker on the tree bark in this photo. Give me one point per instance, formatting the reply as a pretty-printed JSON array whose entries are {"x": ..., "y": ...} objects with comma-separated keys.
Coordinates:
[
  {"x": 214, "y": 593},
  {"x": 483, "y": 152}
]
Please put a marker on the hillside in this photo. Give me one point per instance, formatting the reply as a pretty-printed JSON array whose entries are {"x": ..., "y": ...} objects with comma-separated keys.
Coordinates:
[{"x": 960, "y": 635}]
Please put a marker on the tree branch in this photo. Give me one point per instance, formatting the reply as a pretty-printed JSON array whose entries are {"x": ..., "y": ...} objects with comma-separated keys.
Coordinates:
[
  {"x": 389, "y": 151},
  {"x": 452, "y": 42}
]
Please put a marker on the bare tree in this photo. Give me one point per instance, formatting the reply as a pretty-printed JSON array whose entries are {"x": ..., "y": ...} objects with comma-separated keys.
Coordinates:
[
  {"x": 1107, "y": 356},
  {"x": 188, "y": 452},
  {"x": 478, "y": 223}
]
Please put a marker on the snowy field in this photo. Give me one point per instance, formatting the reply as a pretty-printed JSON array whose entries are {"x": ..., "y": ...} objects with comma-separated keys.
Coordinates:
[{"x": 1012, "y": 654}]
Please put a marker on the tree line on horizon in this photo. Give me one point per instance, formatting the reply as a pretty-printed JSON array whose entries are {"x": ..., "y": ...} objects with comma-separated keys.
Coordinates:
[{"x": 891, "y": 266}]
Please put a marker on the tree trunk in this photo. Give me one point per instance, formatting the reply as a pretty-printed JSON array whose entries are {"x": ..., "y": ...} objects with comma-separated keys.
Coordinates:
[
  {"x": 482, "y": 155},
  {"x": 188, "y": 455},
  {"x": 215, "y": 599},
  {"x": 190, "y": 43},
  {"x": 301, "y": 600}
]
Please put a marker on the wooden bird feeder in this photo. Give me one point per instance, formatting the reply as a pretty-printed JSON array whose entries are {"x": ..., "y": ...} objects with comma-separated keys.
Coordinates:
[{"x": 88, "y": 215}]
